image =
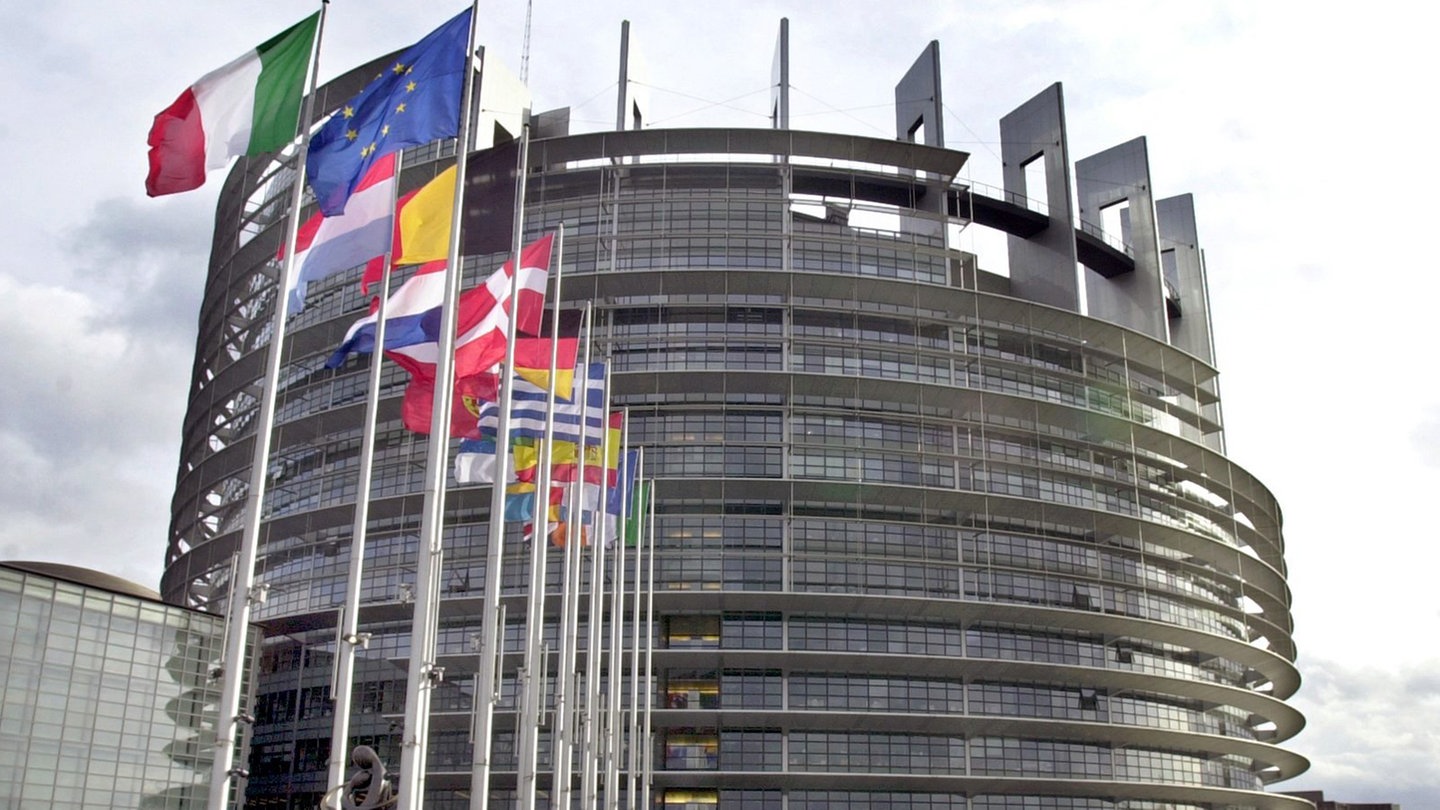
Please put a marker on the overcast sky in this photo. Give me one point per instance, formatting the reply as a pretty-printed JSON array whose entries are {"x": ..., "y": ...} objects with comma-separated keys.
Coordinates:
[{"x": 1300, "y": 132}]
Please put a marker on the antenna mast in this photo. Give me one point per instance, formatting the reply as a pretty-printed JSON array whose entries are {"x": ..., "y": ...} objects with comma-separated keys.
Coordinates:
[{"x": 525, "y": 52}]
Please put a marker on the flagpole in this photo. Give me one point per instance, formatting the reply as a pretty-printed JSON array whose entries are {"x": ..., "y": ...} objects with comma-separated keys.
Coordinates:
[
  {"x": 536, "y": 660},
  {"x": 634, "y": 760},
  {"x": 590, "y": 741},
  {"x": 568, "y": 694},
  {"x": 575, "y": 526},
  {"x": 583, "y": 405},
  {"x": 617, "y": 662},
  {"x": 423, "y": 675},
  {"x": 347, "y": 624},
  {"x": 632, "y": 763},
  {"x": 486, "y": 691},
  {"x": 229, "y": 715},
  {"x": 565, "y": 698},
  {"x": 648, "y": 734}
]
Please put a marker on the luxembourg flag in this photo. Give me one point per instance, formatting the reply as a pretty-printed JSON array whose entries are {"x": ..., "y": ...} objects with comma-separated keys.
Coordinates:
[
  {"x": 248, "y": 107},
  {"x": 405, "y": 314},
  {"x": 327, "y": 245}
]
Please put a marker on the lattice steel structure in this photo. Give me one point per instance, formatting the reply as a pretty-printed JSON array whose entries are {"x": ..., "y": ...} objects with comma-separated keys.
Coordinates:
[{"x": 928, "y": 536}]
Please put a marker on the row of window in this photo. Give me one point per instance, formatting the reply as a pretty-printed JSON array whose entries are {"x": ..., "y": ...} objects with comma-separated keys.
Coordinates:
[
  {"x": 308, "y": 390},
  {"x": 769, "y": 631},
  {"x": 315, "y": 489},
  {"x": 1004, "y": 342},
  {"x": 862, "y": 752},
  {"x": 839, "y": 752},
  {"x": 1073, "y": 551},
  {"x": 842, "y": 445},
  {"x": 733, "y": 799},
  {"x": 300, "y": 490},
  {"x": 696, "y": 798},
  {"x": 316, "y": 578},
  {"x": 761, "y": 689}
]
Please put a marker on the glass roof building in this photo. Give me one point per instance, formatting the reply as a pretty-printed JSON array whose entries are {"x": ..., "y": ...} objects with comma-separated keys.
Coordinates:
[
  {"x": 109, "y": 695},
  {"x": 931, "y": 534}
]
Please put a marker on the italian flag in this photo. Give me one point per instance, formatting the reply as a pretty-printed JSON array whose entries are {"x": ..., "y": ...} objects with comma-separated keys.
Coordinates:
[{"x": 247, "y": 107}]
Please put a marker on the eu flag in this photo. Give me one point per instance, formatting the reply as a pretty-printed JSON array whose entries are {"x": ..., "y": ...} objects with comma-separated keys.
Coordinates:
[{"x": 415, "y": 100}]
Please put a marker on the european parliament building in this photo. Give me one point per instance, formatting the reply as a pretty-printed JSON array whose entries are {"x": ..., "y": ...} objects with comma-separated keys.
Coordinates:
[{"x": 930, "y": 534}]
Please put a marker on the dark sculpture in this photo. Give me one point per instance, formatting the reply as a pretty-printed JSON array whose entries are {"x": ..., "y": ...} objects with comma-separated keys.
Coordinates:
[{"x": 367, "y": 788}]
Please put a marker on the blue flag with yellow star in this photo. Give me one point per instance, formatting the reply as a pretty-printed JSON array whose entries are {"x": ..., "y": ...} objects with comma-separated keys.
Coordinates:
[{"x": 415, "y": 100}]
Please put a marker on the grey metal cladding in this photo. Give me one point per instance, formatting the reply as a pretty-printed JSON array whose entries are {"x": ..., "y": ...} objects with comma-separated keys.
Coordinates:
[
  {"x": 1118, "y": 175},
  {"x": 1042, "y": 267}
]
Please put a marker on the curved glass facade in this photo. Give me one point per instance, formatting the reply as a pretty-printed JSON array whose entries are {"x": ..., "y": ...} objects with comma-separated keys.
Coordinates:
[
  {"x": 920, "y": 543},
  {"x": 109, "y": 696}
]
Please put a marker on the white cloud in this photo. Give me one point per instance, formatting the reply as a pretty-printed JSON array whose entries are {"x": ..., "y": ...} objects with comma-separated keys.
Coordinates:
[
  {"x": 1373, "y": 732},
  {"x": 88, "y": 436}
]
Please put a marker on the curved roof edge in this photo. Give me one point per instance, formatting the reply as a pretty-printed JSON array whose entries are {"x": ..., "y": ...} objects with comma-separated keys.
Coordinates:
[{"x": 88, "y": 577}]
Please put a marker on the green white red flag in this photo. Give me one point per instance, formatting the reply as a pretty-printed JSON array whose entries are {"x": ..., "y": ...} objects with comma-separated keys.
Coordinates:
[{"x": 248, "y": 107}]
